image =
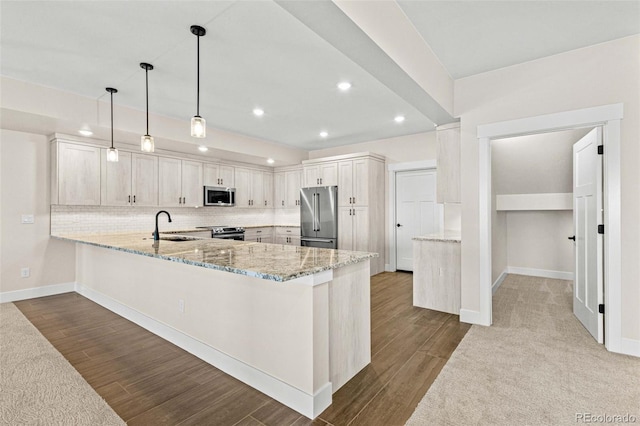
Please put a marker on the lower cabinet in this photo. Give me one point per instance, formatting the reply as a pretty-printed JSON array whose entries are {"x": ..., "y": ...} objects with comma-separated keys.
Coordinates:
[
  {"x": 353, "y": 228},
  {"x": 436, "y": 275},
  {"x": 259, "y": 235},
  {"x": 287, "y": 235}
]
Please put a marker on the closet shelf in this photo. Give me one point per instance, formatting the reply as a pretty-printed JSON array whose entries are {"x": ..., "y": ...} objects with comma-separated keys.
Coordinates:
[{"x": 552, "y": 201}]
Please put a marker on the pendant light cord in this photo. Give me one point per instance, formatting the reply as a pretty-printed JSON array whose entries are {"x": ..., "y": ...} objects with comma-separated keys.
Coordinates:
[
  {"x": 198, "y": 80},
  {"x": 146, "y": 72},
  {"x": 111, "y": 93}
]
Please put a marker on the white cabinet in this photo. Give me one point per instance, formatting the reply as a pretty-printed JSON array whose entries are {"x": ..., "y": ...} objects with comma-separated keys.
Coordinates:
[
  {"x": 254, "y": 188},
  {"x": 448, "y": 157},
  {"x": 287, "y": 185},
  {"x": 353, "y": 228},
  {"x": 259, "y": 235},
  {"x": 132, "y": 181},
  {"x": 289, "y": 236},
  {"x": 219, "y": 175},
  {"x": 323, "y": 174},
  {"x": 180, "y": 183},
  {"x": 436, "y": 275},
  {"x": 75, "y": 174},
  {"x": 353, "y": 182}
]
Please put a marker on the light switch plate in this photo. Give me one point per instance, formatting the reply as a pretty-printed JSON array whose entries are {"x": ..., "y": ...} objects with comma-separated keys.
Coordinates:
[{"x": 27, "y": 218}]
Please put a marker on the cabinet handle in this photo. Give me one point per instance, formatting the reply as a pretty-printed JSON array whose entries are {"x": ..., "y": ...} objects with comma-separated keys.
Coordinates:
[
  {"x": 354, "y": 200},
  {"x": 320, "y": 181},
  {"x": 184, "y": 200},
  {"x": 179, "y": 200},
  {"x": 265, "y": 202},
  {"x": 134, "y": 199},
  {"x": 129, "y": 199},
  {"x": 283, "y": 203},
  {"x": 349, "y": 212},
  {"x": 248, "y": 202}
]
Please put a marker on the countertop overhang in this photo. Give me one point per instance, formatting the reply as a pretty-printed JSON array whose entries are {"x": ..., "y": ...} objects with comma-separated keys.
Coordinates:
[
  {"x": 275, "y": 262},
  {"x": 447, "y": 236}
]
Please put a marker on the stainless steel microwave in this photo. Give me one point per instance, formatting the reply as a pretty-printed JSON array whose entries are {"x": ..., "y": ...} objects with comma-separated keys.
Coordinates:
[{"x": 219, "y": 196}]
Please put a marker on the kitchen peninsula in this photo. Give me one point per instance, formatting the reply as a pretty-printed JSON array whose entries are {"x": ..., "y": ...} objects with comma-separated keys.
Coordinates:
[{"x": 293, "y": 322}]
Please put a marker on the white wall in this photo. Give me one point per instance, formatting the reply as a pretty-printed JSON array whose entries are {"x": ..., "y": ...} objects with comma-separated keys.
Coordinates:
[
  {"x": 401, "y": 149},
  {"x": 597, "y": 75},
  {"x": 538, "y": 240},
  {"x": 24, "y": 171}
]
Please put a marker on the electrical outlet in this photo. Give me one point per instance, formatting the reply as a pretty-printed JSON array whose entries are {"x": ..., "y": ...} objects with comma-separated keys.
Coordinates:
[
  {"x": 181, "y": 305},
  {"x": 25, "y": 272},
  {"x": 27, "y": 218}
]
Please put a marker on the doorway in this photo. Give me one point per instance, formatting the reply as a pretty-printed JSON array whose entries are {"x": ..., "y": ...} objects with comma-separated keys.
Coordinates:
[
  {"x": 416, "y": 212},
  {"x": 607, "y": 116}
]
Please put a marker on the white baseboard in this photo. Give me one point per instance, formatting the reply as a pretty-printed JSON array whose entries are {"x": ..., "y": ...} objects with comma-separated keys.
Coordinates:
[
  {"x": 387, "y": 268},
  {"x": 32, "y": 293},
  {"x": 496, "y": 285},
  {"x": 544, "y": 273},
  {"x": 630, "y": 347},
  {"x": 308, "y": 405}
]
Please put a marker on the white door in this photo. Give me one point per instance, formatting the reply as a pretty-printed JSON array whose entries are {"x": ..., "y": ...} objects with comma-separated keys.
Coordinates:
[
  {"x": 416, "y": 212},
  {"x": 587, "y": 215}
]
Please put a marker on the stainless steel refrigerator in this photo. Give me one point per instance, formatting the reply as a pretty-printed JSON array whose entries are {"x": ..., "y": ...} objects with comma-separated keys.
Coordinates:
[{"x": 319, "y": 217}]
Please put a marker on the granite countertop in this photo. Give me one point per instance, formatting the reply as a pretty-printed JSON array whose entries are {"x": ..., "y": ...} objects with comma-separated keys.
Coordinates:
[
  {"x": 275, "y": 262},
  {"x": 449, "y": 236}
]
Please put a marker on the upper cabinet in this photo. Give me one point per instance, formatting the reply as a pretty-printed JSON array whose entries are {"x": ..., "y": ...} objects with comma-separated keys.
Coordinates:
[
  {"x": 254, "y": 188},
  {"x": 353, "y": 182},
  {"x": 132, "y": 181},
  {"x": 321, "y": 174},
  {"x": 287, "y": 184},
  {"x": 75, "y": 174},
  {"x": 219, "y": 175},
  {"x": 180, "y": 183},
  {"x": 448, "y": 157}
]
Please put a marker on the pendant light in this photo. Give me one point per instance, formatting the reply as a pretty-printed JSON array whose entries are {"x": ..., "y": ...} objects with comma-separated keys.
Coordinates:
[
  {"x": 198, "y": 124},
  {"x": 146, "y": 141},
  {"x": 112, "y": 153}
]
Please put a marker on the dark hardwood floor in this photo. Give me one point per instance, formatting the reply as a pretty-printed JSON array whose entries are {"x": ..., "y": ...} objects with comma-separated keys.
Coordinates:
[{"x": 149, "y": 381}]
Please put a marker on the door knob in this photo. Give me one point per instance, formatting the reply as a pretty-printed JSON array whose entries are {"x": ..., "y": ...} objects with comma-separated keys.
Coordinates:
[
  {"x": 573, "y": 238},
  {"x": 398, "y": 225}
]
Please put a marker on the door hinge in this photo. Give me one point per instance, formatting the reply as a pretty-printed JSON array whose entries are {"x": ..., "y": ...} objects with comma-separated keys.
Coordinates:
[
  {"x": 601, "y": 308},
  {"x": 600, "y": 149},
  {"x": 600, "y": 229}
]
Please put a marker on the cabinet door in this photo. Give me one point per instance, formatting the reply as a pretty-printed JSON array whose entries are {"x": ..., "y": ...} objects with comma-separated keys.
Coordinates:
[
  {"x": 226, "y": 175},
  {"x": 144, "y": 180},
  {"x": 345, "y": 228},
  {"x": 279, "y": 189},
  {"x": 243, "y": 187},
  {"x": 448, "y": 157},
  {"x": 345, "y": 183},
  {"x": 169, "y": 182},
  {"x": 360, "y": 220},
  {"x": 192, "y": 188},
  {"x": 257, "y": 189},
  {"x": 328, "y": 174},
  {"x": 267, "y": 189},
  {"x": 116, "y": 180},
  {"x": 293, "y": 183},
  {"x": 311, "y": 176},
  {"x": 211, "y": 175},
  {"x": 78, "y": 175},
  {"x": 360, "y": 182}
]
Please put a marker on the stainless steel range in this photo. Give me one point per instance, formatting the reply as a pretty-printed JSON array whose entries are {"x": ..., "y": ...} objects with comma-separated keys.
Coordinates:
[{"x": 225, "y": 232}]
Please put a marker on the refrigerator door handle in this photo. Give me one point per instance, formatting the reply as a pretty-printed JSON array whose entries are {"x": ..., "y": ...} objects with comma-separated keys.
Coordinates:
[
  {"x": 317, "y": 240},
  {"x": 318, "y": 213},
  {"x": 314, "y": 212}
]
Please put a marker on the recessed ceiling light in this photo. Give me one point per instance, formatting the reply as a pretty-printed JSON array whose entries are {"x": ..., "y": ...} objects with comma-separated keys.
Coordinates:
[
  {"x": 324, "y": 134},
  {"x": 258, "y": 112},
  {"x": 270, "y": 160},
  {"x": 344, "y": 86},
  {"x": 399, "y": 118},
  {"x": 85, "y": 132},
  {"x": 203, "y": 148}
]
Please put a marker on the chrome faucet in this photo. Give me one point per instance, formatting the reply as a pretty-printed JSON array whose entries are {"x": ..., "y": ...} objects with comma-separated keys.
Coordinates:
[{"x": 156, "y": 234}]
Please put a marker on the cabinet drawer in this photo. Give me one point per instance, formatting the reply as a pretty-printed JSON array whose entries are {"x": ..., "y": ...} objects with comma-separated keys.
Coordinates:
[{"x": 287, "y": 231}]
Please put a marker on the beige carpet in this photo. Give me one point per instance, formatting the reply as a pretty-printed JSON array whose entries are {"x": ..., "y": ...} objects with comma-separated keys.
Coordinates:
[
  {"x": 37, "y": 385},
  {"x": 535, "y": 365}
]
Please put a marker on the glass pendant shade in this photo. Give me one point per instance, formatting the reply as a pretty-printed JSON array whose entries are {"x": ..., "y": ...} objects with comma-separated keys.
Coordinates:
[
  {"x": 147, "y": 144},
  {"x": 198, "y": 127},
  {"x": 112, "y": 155}
]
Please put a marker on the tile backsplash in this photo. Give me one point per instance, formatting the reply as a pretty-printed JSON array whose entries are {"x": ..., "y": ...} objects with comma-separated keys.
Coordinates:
[{"x": 100, "y": 219}]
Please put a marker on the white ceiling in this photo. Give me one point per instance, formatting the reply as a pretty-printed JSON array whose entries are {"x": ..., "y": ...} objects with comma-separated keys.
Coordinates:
[
  {"x": 283, "y": 58},
  {"x": 471, "y": 37}
]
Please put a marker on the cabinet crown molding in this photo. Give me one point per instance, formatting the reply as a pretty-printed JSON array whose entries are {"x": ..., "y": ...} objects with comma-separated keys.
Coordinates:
[{"x": 370, "y": 155}]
